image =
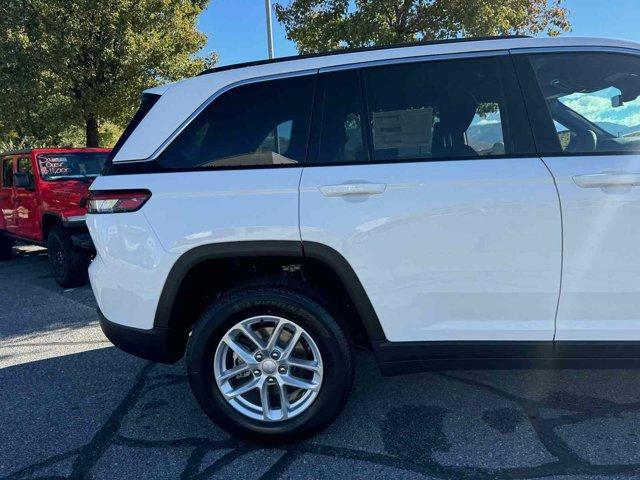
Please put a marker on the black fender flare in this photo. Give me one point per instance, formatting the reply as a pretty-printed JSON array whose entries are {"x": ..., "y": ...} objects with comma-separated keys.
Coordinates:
[{"x": 269, "y": 248}]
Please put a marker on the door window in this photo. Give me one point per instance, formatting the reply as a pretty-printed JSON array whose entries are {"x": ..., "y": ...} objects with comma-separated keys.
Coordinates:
[
  {"x": 452, "y": 109},
  {"x": 256, "y": 125},
  {"x": 26, "y": 166},
  {"x": 341, "y": 121},
  {"x": 7, "y": 173},
  {"x": 593, "y": 100}
]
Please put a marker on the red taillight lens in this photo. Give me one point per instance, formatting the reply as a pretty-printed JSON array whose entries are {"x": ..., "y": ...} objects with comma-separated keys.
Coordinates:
[{"x": 116, "y": 201}]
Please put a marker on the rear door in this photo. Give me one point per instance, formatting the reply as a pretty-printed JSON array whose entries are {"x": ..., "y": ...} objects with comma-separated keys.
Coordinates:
[
  {"x": 586, "y": 112},
  {"x": 428, "y": 185},
  {"x": 26, "y": 202},
  {"x": 7, "y": 222}
]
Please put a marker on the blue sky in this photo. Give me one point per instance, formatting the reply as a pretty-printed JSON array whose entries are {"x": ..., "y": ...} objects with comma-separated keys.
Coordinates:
[{"x": 237, "y": 29}]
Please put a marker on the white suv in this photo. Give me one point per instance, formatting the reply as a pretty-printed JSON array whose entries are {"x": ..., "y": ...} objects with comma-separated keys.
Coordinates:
[{"x": 452, "y": 204}]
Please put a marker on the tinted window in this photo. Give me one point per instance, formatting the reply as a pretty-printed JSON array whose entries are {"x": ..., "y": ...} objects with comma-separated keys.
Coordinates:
[
  {"x": 342, "y": 137},
  {"x": 467, "y": 108},
  {"x": 7, "y": 172},
  {"x": 25, "y": 165},
  {"x": 265, "y": 123},
  {"x": 592, "y": 99}
]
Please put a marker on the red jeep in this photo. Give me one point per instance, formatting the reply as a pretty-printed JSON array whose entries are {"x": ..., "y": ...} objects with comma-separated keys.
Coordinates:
[{"x": 42, "y": 199}]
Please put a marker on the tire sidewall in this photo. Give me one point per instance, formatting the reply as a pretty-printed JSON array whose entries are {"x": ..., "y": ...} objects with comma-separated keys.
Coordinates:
[
  {"x": 6, "y": 248},
  {"x": 331, "y": 341},
  {"x": 55, "y": 242},
  {"x": 76, "y": 263}
]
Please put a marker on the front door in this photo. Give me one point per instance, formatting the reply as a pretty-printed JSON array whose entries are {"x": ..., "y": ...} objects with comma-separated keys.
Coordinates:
[
  {"x": 7, "y": 220},
  {"x": 430, "y": 188},
  {"x": 591, "y": 143},
  {"x": 26, "y": 203}
]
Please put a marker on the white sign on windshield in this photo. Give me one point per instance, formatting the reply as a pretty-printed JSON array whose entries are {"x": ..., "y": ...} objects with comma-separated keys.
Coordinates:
[{"x": 53, "y": 166}]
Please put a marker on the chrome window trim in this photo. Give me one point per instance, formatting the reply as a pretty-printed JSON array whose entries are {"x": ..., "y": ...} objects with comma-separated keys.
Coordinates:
[
  {"x": 375, "y": 63},
  {"x": 315, "y": 71},
  {"x": 574, "y": 49},
  {"x": 430, "y": 57},
  {"x": 247, "y": 81}
]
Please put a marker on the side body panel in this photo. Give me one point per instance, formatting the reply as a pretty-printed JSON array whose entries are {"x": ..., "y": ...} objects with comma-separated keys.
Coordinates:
[
  {"x": 601, "y": 268},
  {"x": 452, "y": 250},
  {"x": 598, "y": 183},
  {"x": 137, "y": 250}
]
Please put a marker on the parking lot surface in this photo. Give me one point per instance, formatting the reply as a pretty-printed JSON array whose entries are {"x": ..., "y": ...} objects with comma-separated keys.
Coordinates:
[{"x": 73, "y": 406}]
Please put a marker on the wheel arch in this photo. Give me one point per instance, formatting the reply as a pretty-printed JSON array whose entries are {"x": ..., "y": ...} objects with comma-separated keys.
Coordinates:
[
  {"x": 175, "y": 296},
  {"x": 49, "y": 220}
]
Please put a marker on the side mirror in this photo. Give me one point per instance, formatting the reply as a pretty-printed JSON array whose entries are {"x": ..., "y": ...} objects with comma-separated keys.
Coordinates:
[{"x": 22, "y": 180}]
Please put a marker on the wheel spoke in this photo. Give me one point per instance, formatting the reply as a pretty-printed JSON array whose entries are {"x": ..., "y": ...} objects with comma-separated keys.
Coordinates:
[
  {"x": 264, "y": 400},
  {"x": 232, "y": 372},
  {"x": 239, "y": 350},
  {"x": 244, "y": 388},
  {"x": 305, "y": 364},
  {"x": 251, "y": 335},
  {"x": 273, "y": 339},
  {"x": 292, "y": 343},
  {"x": 284, "y": 401},
  {"x": 299, "y": 383}
]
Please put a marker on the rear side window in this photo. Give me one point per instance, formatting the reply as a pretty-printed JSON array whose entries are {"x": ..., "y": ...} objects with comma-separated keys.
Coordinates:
[
  {"x": 255, "y": 125},
  {"x": 593, "y": 100},
  {"x": 342, "y": 120},
  {"x": 7, "y": 172},
  {"x": 451, "y": 109}
]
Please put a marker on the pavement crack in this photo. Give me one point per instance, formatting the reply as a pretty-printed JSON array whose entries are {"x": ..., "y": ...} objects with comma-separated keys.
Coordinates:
[{"x": 91, "y": 453}]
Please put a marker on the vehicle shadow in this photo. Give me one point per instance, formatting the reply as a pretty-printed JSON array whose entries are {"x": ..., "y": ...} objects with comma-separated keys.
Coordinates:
[
  {"x": 104, "y": 414},
  {"x": 32, "y": 303}
]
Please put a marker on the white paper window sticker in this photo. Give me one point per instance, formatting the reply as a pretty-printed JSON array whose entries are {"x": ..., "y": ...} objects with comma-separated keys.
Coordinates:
[{"x": 409, "y": 131}]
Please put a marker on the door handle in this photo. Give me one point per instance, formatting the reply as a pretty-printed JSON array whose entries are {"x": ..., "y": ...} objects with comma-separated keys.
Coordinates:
[
  {"x": 345, "y": 189},
  {"x": 607, "y": 179}
]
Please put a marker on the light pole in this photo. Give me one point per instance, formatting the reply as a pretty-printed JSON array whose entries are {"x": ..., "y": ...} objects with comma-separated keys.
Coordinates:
[{"x": 267, "y": 6}]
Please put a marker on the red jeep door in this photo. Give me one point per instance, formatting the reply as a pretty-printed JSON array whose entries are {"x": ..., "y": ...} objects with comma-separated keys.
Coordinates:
[
  {"x": 26, "y": 203},
  {"x": 7, "y": 220}
]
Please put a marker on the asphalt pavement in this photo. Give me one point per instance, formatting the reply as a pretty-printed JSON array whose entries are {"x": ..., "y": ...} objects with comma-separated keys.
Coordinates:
[{"x": 73, "y": 406}]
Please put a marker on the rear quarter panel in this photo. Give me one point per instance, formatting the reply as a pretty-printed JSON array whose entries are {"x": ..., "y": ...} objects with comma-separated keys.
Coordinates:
[{"x": 135, "y": 251}]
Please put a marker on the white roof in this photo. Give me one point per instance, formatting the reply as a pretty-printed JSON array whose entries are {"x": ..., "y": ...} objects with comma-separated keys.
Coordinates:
[{"x": 180, "y": 99}]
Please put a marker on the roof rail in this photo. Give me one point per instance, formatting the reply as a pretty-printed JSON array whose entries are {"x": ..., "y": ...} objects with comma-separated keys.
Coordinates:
[{"x": 355, "y": 50}]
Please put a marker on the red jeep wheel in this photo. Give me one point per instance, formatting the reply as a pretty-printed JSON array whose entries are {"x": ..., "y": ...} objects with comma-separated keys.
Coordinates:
[
  {"x": 6, "y": 248},
  {"x": 69, "y": 265}
]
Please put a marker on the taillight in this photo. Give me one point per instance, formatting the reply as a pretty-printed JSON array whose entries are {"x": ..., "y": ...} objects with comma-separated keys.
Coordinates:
[{"x": 116, "y": 201}]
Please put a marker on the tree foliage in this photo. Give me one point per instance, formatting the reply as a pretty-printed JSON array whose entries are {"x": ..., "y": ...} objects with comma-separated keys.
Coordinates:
[
  {"x": 321, "y": 25},
  {"x": 75, "y": 68}
]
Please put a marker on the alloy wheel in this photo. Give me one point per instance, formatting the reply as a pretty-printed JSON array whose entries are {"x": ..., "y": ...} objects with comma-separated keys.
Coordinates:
[{"x": 268, "y": 368}]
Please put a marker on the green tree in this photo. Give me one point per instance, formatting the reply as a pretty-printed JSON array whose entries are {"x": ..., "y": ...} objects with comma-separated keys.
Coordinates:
[
  {"x": 70, "y": 67},
  {"x": 321, "y": 25}
]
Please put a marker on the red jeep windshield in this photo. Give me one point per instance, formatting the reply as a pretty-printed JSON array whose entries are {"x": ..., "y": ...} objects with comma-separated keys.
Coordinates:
[{"x": 81, "y": 165}]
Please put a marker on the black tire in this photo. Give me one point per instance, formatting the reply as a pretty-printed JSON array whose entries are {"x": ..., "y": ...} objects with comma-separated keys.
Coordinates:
[
  {"x": 6, "y": 248},
  {"x": 68, "y": 264},
  {"x": 334, "y": 346}
]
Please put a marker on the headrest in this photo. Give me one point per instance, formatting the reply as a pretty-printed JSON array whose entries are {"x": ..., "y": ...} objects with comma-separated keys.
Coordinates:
[{"x": 456, "y": 112}]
